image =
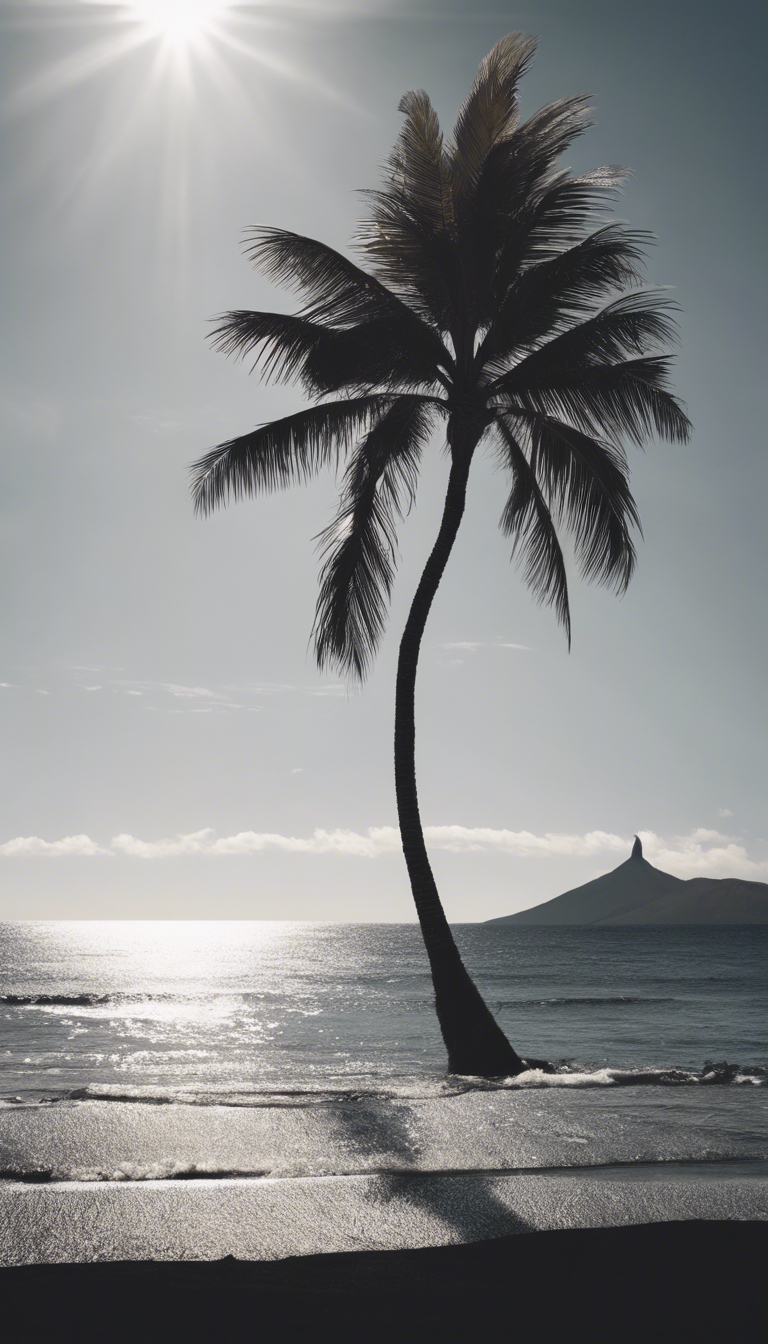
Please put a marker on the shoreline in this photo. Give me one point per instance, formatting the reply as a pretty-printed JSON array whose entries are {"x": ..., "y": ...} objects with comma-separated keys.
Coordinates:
[
  {"x": 270, "y": 1219},
  {"x": 656, "y": 1281}
]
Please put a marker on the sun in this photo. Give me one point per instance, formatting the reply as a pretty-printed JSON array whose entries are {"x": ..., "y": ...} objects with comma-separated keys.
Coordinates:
[
  {"x": 157, "y": 66},
  {"x": 180, "y": 23}
]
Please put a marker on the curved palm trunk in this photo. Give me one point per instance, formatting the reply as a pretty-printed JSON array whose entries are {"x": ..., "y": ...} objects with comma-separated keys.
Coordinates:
[{"x": 474, "y": 1040}]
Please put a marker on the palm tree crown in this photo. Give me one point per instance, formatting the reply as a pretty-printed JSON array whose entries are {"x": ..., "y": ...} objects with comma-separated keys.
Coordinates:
[{"x": 486, "y": 265}]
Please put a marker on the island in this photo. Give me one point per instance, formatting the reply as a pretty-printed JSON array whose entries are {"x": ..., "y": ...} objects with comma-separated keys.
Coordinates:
[{"x": 638, "y": 893}]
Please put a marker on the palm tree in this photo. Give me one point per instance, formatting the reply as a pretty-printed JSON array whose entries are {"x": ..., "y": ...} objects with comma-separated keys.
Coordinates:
[{"x": 480, "y": 305}]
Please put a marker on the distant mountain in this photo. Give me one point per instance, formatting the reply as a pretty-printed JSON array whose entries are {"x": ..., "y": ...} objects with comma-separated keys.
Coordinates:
[{"x": 638, "y": 893}]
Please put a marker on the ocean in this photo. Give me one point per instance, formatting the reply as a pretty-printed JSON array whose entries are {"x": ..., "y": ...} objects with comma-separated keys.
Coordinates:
[{"x": 188, "y": 1090}]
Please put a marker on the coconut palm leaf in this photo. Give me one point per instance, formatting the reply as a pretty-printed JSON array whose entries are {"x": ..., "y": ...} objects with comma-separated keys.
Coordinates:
[
  {"x": 338, "y": 291},
  {"x": 410, "y": 234},
  {"x": 281, "y": 343},
  {"x": 380, "y": 350},
  {"x": 528, "y": 520},
  {"x": 491, "y": 111},
  {"x": 519, "y": 170},
  {"x": 587, "y": 483},
  {"x": 564, "y": 209},
  {"x": 630, "y": 399},
  {"x": 545, "y": 299},
  {"x": 633, "y": 324},
  {"x": 414, "y": 259},
  {"x": 556, "y": 215},
  {"x": 283, "y": 452},
  {"x": 360, "y": 544},
  {"x": 418, "y": 166}
]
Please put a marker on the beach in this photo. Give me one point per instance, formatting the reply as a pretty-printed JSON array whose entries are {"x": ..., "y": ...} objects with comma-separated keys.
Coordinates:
[
  {"x": 180, "y": 1133},
  {"x": 671, "y": 1281}
]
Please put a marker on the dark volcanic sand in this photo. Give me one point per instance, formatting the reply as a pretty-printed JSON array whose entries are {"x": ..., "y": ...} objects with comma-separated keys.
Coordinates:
[{"x": 686, "y": 1281}]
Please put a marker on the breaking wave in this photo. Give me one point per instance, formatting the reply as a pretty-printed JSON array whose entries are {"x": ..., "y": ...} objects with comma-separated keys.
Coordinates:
[
  {"x": 119, "y": 999},
  {"x": 92, "y": 1000},
  {"x": 596, "y": 1001},
  {"x": 543, "y": 1076},
  {"x": 53, "y": 1000},
  {"x": 170, "y": 1169},
  {"x": 720, "y": 1074}
]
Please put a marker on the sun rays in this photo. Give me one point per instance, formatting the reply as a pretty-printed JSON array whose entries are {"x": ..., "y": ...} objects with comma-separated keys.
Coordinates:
[
  {"x": 127, "y": 86},
  {"x": 161, "y": 37},
  {"x": 180, "y": 23}
]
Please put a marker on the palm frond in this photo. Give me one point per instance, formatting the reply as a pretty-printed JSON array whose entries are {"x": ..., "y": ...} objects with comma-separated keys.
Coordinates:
[
  {"x": 528, "y": 520},
  {"x": 608, "y": 401},
  {"x": 417, "y": 262},
  {"x": 491, "y": 112},
  {"x": 278, "y": 454},
  {"x": 338, "y": 291},
  {"x": 522, "y": 163},
  {"x": 359, "y": 545},
  {"x": 546, "y": 298},
  {"x": 409, "y": 235},
  {"x": 587, "y": 482},
  {"x": 418, "y": 168},
  {"x": 538, "y": 224},
  {"x": 280, "y": 343},
  {"x": 517, "y": 172},
  {"x": 564, "y": 209},
  {"x": 381, "y": 350},
  {"x": 634, "y": 323}
]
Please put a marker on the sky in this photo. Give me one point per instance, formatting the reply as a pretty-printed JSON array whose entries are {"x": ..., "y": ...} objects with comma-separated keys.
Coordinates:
[{"x": 169, "y": 749}]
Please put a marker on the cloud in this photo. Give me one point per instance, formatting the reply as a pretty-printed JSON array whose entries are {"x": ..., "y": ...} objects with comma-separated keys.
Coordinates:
[
  {"x": 81, "y": 845},
  {"x": 369, "y": 845},
  {"x": 724, "y": 812},
  {"x": 192, "y": 692},
  {"x": 203, "y": 699},
  {"x": 703, "y": 853},
  {"x": 321, "y": 690},
  {"x": 158, "y": 423},
  {"x": 524, "y": 844},
  {"x": 472, "y": 645},
  {"x": 212, "y": 700}
]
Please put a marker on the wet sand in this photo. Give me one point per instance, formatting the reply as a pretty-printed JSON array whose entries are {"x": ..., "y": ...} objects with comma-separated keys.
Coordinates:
[
  {"x": 680, "y": 1281},
  {"x": 269, "y": 1220}
]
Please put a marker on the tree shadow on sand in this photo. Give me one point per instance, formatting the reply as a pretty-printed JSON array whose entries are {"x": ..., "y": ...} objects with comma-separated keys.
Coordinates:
[{"x": 459, "y": 1205}]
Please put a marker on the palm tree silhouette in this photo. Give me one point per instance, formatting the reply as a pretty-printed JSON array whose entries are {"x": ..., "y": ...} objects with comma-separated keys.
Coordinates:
[{"x": 485, "y": 268}]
